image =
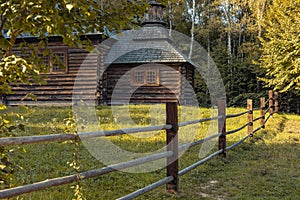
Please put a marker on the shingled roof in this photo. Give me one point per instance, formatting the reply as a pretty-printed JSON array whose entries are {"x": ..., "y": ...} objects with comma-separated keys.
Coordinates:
[{"x": 149, "y": 44}]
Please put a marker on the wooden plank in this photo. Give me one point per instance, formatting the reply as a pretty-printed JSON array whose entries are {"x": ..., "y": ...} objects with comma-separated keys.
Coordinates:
[
  {"x": 53, "y": 88},
  {"x": 262, "y": 112},
  {"x": 147, "y": 188},
  {"x": 271, "y": 102},
  {"x": 144, "y": 97},
  {"x": 109, "y": 91},
  {"x": 60, "y": 83},
  {"x": 83, "y": 64},
  {"x": 55, "y": 92},
  {"x": 145, "y": 92},
  {"x": 9, "y": 141},
  {"x": 6, "y": 193},
  {"x": 172, "y": 145},
  {"x": 276, "y": 104},
  {"x": 41, "y": 103},
  {"x": 54, "y": 98},
  {"x": 222, "y": 126},
  {"x": 250, "y": 117}
]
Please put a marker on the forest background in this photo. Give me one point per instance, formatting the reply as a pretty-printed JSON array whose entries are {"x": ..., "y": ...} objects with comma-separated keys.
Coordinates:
[{"x": 255, "y": 44}]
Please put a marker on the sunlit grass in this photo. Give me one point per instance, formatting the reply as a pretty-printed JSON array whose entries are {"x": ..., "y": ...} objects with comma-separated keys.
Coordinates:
[{"x": 266, "y": 166}]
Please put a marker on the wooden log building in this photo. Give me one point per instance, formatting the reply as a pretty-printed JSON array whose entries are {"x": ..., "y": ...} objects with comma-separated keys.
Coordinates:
[
  {"x": 60, "y": 80},
  {"x": 139, "y": 66},
  {"x": 144, "y": 66}
]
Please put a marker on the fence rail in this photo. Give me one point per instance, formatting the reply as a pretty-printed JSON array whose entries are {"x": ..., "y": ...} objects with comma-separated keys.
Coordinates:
[
  {"x": 8, "y": 141},
  {"x": 171, "y": 154}
]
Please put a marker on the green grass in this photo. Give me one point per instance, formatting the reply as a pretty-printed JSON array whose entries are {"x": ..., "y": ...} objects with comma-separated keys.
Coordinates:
[{"x": 265, "y": 167}]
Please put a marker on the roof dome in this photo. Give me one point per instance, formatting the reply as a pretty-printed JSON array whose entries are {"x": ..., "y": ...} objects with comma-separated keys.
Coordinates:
[
  {"x": 155, "y": 14},
  {"x": 149, "y": 44}
]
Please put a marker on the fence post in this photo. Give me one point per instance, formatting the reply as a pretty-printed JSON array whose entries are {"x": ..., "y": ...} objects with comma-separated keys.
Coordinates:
[
  {"x": 271, "y": 104},
  {"x": 262, "y": 112},
  {"x": 250, "y": 117},
  {"x": 276, "y": 104},
  {"x": 222, "y": 126},
  {"x": 172, "y": 145}
]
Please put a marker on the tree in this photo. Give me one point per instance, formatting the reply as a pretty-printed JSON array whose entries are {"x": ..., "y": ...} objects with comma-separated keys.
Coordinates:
[
  {"x": 42, "y": 18},
  {"x": 227, "y": 29},
  {"x": 68, "y": 19},
  {"x": 281, "y": 46}
]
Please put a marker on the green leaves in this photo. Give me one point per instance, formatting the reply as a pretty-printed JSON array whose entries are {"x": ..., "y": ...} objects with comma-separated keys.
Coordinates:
[
  {"x": 43, "y": 18},
  {"x": 4, "y": 43},
  {"x": 280, "y": 52},
  {"x": 14, "y": 69}
]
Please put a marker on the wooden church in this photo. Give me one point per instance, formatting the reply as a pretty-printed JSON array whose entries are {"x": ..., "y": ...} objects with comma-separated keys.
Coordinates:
[
  {"x": 144, "y": 66},
  {"x": 136, "y": 66}
]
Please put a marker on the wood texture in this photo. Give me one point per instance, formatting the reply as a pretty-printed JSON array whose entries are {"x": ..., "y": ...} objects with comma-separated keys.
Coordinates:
[
  {"x": 8, "y": 141},
  {"x": 222, "y": 126},
  {"x": 250, "y": 117},
  {"x": 81, "y": 66},
  {"x": 81, "y": 176},
  {"x": 262, "y": 112},
  {"x": 172, "y": 145},
  {"x": 276, "y": 104},
  {"x": 271, "y": 102}
]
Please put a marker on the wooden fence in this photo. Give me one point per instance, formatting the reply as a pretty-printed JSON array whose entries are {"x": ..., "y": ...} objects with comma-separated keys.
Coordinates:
[{"x": 171, "y": 154}]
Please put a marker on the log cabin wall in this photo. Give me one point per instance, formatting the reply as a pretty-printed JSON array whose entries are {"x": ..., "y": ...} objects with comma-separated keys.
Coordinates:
[
  {"x": 103, "y": 50},
  {"x": 118, "y": 80},
  {"x": 60, "y": 84},
  {"x": 187, "y": 95}
]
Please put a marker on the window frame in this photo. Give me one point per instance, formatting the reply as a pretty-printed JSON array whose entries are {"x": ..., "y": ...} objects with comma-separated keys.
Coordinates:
[
  {"x": 48, "y": 60},
  {"x": 64, "y": 62},
  {"x": 145, "y": 71}
]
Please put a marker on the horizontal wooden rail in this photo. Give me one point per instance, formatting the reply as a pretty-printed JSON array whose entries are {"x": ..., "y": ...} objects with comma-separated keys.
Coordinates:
[
  {"x": 236, "y": 115},
  {"x": 81, "y": 176},
  {"x": 268, "y": 109},
  {"x": 198, "y": 142},
  {"x": 198, "y": 121},
  {"x": 147, "y": 188},
  {"x": 255, "y": 109},
  {"x": 266, "y": 120},
  {"x": 257, "y": 129},
  {"x": 237, "y": 143},
  {"x": 268, "y": 100},
  {"x": 193, "y": 166},
  {"x": 243, "y": 139},
  {"x": 258, "y": 118},
  {"x": 8, "y": 141},
  {"x": 238, "y": 129}
]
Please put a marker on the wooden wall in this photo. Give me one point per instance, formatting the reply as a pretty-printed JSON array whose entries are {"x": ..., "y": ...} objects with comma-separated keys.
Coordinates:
[
  {"x": 170, "y": 88},
  {"x": 65, "y": 86},
  {"x": 60, "y": 85}
]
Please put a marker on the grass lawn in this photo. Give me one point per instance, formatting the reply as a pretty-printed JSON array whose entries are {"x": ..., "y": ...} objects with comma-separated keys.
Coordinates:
[{"x": 265, "y": 167}]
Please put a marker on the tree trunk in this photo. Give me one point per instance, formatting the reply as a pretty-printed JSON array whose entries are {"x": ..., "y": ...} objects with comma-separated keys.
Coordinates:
[{"x": 192, "y": 29}]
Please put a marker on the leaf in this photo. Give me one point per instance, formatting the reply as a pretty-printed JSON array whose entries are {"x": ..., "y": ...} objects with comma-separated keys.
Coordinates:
[
  {"x": 49, "y": 29},
  {"x": 6, "y": 121},
  {"x": 24, "y": 68},
  {"x": 69, "y": 7},
  {"x": 279, "y": 52},
  {"x": 2, "y": 106},
  {"x": 2, "y": 167},
  {"x": 4, "y": 43}
]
